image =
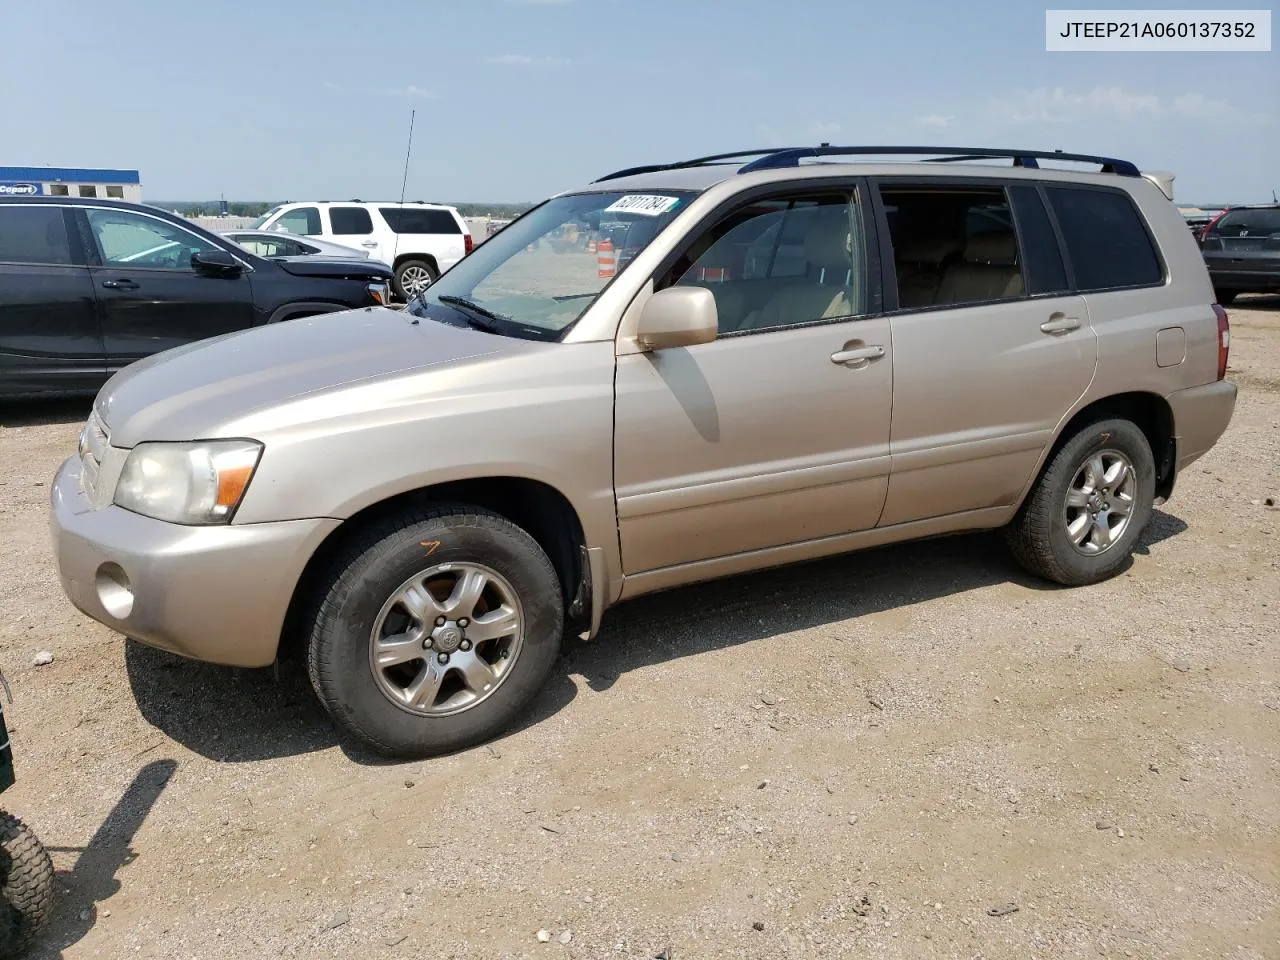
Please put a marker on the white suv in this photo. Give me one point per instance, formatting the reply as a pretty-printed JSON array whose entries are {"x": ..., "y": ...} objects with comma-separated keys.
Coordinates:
[{"x": 419, "y": 240}]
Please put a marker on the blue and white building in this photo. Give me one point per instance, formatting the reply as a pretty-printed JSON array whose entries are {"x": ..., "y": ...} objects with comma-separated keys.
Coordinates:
[{"x": 70, "y": 182}]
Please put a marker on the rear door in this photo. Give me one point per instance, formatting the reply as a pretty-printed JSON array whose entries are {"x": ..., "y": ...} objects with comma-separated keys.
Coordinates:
[
  {"x": 992, "y": 352},
  {"x": 49, "y": 336},
  {"x": 149, "y": 297},
  {"x": 353, "y": 227}
]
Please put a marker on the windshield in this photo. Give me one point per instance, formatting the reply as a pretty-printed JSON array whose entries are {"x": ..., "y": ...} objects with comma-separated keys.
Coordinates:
[
  {"x": 257, "y": 224},
  {"x": 537, "y": 276}
]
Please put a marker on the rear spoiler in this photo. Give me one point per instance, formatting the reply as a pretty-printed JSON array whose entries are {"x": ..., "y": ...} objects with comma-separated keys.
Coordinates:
[{"x": 1161, "y": 179}]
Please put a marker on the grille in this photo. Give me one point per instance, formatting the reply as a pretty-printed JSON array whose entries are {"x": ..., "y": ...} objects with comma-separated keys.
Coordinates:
[{"x": 93, "y": 445}]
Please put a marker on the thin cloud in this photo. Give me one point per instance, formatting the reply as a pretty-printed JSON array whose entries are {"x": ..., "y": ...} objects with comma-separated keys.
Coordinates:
[
  {"x": 1199, "y": 107},
  {"x": 1059, "y": 105},
  {"x": 935, "y": 120},
  {"x": 539, "y": 3},
  {"x": 413, "y": 93},
  {"x": 524, "y": 60}
]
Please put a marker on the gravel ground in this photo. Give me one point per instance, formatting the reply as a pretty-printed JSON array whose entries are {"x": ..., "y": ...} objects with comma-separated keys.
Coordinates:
[{"x": 859, "y": 757}]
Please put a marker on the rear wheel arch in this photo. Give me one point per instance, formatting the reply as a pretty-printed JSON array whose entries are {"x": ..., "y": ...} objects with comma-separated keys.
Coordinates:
[
  {"x": 1149, "y": 411},
  {"x": 536, "y": 507}
]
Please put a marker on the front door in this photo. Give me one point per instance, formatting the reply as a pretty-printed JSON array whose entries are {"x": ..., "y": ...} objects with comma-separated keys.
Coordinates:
[
  {"x": 778, "y": 431},
  {"x": 149, "y": 297},
  {"x": 49, "y": 337},
  {"x": 991, "y": 349}
]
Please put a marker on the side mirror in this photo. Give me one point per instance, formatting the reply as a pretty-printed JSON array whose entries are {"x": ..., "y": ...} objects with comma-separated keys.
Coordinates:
[
  {"x": 216, "y": 263},
  {"x": 678, "y": 317}
]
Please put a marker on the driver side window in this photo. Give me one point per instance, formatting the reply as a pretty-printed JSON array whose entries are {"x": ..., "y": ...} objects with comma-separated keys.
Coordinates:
[
  {"x": 127, "y": 239},
  {"x": 780, "y": 262}
]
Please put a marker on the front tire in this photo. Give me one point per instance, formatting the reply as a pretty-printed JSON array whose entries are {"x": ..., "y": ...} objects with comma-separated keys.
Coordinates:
[
  {"x": 435, "y": 631},
  {"x": 1082, "y": 519},
  {"x": 414, "y": 276},
  {"x": 26, "y": 898}
]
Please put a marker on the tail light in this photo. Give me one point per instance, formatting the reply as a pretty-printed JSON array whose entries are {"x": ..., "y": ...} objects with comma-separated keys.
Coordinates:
[
  {"x": 1204, "y": 231},
  {"x": 468, "y": 243},
  {"x": 1224, "y": 340}
]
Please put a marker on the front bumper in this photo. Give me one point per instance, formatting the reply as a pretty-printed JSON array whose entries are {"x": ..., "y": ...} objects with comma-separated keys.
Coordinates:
[
  {"x": 211, "y": 593},
  {"x": 1200, "y": 418}
]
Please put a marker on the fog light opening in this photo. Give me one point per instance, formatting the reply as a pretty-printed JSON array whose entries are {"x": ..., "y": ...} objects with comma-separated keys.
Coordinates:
[{"x": 114, "y": 591}]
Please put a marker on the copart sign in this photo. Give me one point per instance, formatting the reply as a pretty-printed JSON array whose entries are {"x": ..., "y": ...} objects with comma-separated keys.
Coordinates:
[{"x": 10, "y": 188}]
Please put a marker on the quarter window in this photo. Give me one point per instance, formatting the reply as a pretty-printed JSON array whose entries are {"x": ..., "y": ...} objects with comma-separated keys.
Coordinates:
[
  {"x": 1106, "y": 241},
  {"x": 34, "y": 234},
  {"x": 781, "y": 262},
  {"x": 302, "y": 221},
  {"x": 414, "y": 220},
  {"x": 952, "y": 245},
  {"x": 127, "y": 239},
  {"x": 350, "y": 221}
]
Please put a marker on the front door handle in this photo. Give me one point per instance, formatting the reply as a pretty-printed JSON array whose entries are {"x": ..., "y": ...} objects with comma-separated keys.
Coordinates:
[
  {"x": 857, "y": 357},
  {"x": 368, "y": 243},
  {"x": 122, "y": 284},
  {"x": 1060, "y": 323}
]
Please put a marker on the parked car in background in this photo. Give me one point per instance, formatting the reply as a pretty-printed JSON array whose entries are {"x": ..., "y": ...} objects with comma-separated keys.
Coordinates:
[
  {"x": 419, "y": 240},
  {"x": 266, "y": 243},
  {"x": 427, "y": 501},
  {"x": 90, "y": 286},
  {"x": 1241, "y": 248}
]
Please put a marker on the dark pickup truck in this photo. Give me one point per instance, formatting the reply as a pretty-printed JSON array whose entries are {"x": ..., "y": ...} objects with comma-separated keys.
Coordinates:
[
  {"x": 89, "y": 286},
  {"x": 1242, "y": 251}
]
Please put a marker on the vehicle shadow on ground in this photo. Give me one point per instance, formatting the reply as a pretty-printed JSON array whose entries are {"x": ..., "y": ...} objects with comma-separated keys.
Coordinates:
[
  {"x": 92, "y": 879},
  {"x": 236, "y": 716},
  {"x": 45, "y": 412}
]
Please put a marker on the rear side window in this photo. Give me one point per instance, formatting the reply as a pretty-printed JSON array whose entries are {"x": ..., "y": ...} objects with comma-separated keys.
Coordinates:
[
  {"x": 1043, "y": 259},
  {"x": 1107, "y": 243},
  {"x": 350, "y": 221},
  {"x": 304, "y": 221},
  {"x": 34, "y": 234},
  {"x": 410, "y": 220},
  {"x": 1248, "y": 223}
]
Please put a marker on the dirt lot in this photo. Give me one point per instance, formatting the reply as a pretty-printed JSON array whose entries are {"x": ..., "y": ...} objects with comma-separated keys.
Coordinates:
[{"x": 859, "y": 757}]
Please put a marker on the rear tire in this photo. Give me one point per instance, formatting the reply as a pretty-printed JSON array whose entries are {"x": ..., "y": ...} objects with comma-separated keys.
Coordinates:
[
  {"x": 1077, "y": 527},
  {"x": 410, "y": 277},
  {"x": 26, "y": 898},
  {"x": 461, "y": 666},
  {"x": 1225, "y": 297}
]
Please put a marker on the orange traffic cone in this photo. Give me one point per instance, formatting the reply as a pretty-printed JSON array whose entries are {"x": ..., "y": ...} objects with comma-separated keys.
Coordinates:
[{"x": 606, "y": 262}]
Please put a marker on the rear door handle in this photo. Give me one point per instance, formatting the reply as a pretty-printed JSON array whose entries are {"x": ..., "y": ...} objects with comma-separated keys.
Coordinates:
[
  {"x": 368, "y": 243},
  {"x": 1059, "y": 324},
  {"x": 858, "y": 357},
  {"x": 122, "y": 284}
]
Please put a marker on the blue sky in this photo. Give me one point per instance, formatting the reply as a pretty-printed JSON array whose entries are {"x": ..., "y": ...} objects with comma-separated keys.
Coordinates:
[{"x": 516, "y": 99}]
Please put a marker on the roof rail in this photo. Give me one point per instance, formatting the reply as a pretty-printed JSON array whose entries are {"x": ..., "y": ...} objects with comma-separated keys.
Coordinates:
[
  {"x": 777, "y": 158},
  {"x": 680, "y": 164},
  {"x": 1020, "y": 158}
]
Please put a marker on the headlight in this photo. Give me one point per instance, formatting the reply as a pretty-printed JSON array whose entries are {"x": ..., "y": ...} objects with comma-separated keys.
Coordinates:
[
  {"x": 191, "y": 483},
  {"x": 381, "y": 293}
]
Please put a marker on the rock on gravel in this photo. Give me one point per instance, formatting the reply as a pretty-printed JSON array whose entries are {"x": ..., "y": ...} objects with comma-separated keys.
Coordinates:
[{"x": 43, "y": 658}]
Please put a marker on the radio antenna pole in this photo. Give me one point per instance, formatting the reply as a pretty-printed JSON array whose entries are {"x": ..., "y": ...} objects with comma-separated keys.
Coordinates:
[{"x": 395, "y": 247}]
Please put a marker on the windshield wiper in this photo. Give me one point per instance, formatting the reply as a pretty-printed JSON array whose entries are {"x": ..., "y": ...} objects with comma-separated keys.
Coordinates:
[
  {"x": 481, "y": 318},
  {"x": 574, "y": 296}
]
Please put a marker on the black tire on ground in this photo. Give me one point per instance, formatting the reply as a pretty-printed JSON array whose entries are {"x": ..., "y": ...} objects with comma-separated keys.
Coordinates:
[
  {"x": 413, "y": 264},
  {"x": 365, "y": 576},
  {"x": 1225, "y": 297},
  {"x": 26, "y": 897},
  {"x": 1038, "y": 534}
]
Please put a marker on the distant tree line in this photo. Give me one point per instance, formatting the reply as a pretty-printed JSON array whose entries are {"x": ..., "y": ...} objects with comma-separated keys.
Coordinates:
[{"x": 245, "y": 208}]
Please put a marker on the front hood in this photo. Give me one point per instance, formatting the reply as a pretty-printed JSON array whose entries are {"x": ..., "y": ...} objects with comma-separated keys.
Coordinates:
[
  {"x": 317, "y": 265},
  {"x": 196, "y": 391}
]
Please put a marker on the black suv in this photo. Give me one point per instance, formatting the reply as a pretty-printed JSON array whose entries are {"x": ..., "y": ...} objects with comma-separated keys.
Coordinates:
[
  {"x": 89, "y": 286},
  {"x": 1242, "y": 251}
]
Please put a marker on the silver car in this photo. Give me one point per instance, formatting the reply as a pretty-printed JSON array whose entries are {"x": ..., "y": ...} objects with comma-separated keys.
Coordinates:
[
  {"x": 272, "y": 243},
  {"x": 735, "y": 365}
]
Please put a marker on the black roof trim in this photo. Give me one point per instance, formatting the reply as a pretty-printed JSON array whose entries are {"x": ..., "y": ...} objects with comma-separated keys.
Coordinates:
[{"x": 780, "y": 158}]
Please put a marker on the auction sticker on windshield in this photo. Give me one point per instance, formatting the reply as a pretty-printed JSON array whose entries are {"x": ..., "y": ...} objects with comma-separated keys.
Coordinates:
[{"x": 649, "y": 206}]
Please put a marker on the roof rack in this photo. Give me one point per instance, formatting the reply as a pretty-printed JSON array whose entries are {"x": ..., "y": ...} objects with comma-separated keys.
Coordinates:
[{"x": 781, "y": 158}]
